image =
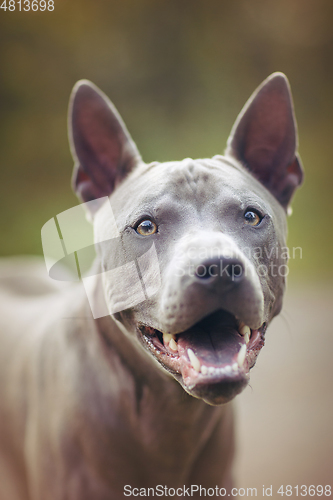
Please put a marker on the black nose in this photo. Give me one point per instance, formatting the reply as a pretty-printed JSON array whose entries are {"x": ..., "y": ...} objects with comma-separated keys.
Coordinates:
[{"x": 227, "y": 269}]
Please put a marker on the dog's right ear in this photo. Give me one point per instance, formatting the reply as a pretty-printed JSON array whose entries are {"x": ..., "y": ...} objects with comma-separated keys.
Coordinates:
[{"x": 103, "y": 150}]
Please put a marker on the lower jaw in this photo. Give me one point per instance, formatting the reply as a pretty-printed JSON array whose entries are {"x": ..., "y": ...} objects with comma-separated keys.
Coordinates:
[
  {"x": 216, "y": 393},
  {"x": 220, "y": 392}
]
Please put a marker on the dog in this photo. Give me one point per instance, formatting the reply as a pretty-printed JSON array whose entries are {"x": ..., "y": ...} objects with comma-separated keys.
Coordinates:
[{"x": 105, "y": 406}]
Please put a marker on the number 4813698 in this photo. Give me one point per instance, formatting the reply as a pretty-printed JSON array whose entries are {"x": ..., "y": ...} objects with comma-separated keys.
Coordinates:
[
  {"x": 27, "y": 5},
  {"x": 305, "y": 491}
]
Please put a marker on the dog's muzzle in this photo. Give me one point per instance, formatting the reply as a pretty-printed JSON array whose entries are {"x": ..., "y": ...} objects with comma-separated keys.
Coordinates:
[{"x": 211, "y": 326}]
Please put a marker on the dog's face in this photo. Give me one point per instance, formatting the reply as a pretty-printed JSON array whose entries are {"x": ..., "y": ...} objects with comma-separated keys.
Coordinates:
[{"x": 217, "y": 226}]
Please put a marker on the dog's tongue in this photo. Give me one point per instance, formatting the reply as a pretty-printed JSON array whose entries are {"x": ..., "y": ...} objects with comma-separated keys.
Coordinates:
[{"x": 215, "y": 341}]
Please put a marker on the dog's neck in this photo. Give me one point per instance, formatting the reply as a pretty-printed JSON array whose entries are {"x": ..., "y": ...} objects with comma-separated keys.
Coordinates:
[{"x": 149, "y": 409}]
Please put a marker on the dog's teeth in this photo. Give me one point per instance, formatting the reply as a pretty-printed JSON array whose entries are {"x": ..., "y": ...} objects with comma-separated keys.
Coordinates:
[
  {"x": 167, "y": 337},
  {"x": 194, "y": 360},
  {"x": 241, "y": 356},
  {"x": 173, "y": 345},
  {"x": 245, "y": 331},
  {"x": 204, "y": 370},
  {"x": 235, "y": 367},
  {"x": 227, "y": 369},
  {"x": 169, "y": 341}
]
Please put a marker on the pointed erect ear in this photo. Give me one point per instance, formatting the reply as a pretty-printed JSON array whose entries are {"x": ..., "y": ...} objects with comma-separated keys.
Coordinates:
[
  {"x": 103, "y": 151},
  {"x": 264, "y": 138}
]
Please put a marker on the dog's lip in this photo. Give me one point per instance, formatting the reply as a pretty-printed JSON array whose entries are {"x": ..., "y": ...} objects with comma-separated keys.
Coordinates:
[{"x": 232, "y": 363}]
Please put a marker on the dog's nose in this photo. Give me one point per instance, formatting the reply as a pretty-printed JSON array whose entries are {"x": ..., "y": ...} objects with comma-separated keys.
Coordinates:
[
  {"x": 209, "y": 272},
  {"x": 220, "y": 269}
]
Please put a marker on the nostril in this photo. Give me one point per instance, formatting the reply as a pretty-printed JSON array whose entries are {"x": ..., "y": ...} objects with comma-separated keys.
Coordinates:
[
  {"x": 225, "y": 268},
  {"x": 203, "y": 272}
]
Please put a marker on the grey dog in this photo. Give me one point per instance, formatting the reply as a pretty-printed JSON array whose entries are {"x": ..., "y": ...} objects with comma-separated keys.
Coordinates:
[{"x": 104, "y": 408}]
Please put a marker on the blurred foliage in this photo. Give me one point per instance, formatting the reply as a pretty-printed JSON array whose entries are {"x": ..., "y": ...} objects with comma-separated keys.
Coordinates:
[{"x": 179, "y": 72}]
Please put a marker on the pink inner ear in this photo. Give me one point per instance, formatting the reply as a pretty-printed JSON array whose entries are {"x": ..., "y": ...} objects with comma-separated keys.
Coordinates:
[
  {"x": 285, "y": 186},
  {"x": 269, "y": 132},
  {"x": 263, "y": 158},
  {"x": 294, "y": 168},
  {"x": 98, "y": 143},
  {"x": 264, "y": 138},
  {"x": 81, "y": 177},
  {"x": 103, "y": 150},
  {"x": 85, "y": 188}
]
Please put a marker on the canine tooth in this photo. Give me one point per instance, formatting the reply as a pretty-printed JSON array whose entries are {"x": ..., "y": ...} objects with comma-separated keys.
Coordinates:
[
  {"x": 173, "y": 345},
  {"x": 204, "y": 370},
  {"x": 241, "y": 356},
  {"x": 244, "y": 329},
  {"x": 194, "y": 360},
  {"x": 167, "y": 337}
]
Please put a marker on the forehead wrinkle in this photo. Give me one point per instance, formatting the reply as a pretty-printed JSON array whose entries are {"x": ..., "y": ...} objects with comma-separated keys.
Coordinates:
[
  {"x": 215, "y": 163},
  {"x": 197, "y": 182},
  {"x": 155, "y": 179}
]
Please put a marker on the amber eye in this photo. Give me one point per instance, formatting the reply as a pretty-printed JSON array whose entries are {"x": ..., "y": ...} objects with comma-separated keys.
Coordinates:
[
  {"x": 146, "y": 228},
  {"x": 252, "y": 218}
]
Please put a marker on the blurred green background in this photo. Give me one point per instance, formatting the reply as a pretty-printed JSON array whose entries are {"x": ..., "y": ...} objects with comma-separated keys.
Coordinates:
[{"x": 179, "y": 72}]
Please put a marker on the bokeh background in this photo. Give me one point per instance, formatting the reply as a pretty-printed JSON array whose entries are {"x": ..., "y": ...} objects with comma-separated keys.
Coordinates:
[{"x": 179, "y": 72}]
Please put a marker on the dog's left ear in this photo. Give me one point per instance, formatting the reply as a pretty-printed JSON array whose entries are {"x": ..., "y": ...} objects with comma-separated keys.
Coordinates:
[
  {"x": 101, "y": 146},
  {"x": 264, "y": 138}
]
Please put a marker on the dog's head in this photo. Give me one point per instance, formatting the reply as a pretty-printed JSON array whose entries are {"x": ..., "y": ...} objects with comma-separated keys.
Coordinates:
[{"x": 217, "y": 228}]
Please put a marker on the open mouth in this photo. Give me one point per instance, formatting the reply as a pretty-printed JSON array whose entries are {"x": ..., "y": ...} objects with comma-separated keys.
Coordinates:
[{"x": 212, "y": 359}]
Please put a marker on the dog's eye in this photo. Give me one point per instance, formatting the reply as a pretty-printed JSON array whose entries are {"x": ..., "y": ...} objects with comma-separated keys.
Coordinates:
[
  {"x": 146, "y": 228},
  {"x": 252, "y": 218}
]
